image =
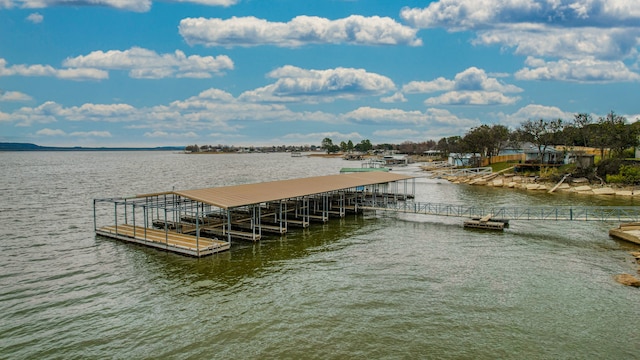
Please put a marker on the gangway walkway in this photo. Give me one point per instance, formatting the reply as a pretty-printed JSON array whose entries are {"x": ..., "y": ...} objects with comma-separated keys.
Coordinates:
[{"x": 550, "y": 213}]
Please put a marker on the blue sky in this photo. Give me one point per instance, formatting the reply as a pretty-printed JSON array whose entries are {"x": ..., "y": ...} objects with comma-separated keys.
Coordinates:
[{"x": 291, "y": 72}]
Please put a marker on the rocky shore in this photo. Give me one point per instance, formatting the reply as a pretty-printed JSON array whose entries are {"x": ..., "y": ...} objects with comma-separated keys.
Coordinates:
[{"x": 575, "y": 185}]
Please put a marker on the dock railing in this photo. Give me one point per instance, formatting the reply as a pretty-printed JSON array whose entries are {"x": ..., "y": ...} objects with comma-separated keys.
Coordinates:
[{"x": 550, "y": 213}]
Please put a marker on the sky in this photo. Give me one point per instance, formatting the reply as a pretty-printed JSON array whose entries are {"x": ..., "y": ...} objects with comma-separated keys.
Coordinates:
[{"x": 291, "y": 72}]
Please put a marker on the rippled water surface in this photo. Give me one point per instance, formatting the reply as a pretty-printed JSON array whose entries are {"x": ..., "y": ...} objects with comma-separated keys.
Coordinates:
[{"x": 373, "y": 286}]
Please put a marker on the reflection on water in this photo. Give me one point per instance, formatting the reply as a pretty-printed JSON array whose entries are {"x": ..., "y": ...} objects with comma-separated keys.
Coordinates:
[
  {"x": 379, "y": 285},
  {"x": 247, "y": 259}
]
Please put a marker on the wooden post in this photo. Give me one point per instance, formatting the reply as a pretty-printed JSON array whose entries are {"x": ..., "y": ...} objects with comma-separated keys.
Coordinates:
[
  {"x": 145, "y": 211},
  {"x": 197, "y": 230},
  {"x": 229, "y": 226},
  {"x": 166, "y": 227},
  {"x": 133, "y": 211},
  {"x": 95, "y": 226}
]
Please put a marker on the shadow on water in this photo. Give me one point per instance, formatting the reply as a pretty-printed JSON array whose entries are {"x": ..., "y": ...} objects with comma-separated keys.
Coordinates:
[{"x": 245, "y": 260}]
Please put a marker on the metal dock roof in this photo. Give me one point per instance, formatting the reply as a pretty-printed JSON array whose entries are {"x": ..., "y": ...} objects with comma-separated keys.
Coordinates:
[{"x": 241, "y": 195}]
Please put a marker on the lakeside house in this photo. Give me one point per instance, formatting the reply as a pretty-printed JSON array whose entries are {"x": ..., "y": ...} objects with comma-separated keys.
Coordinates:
[
  {"x": 463, "y": 159},
  {"x": 549, "y": 155}
]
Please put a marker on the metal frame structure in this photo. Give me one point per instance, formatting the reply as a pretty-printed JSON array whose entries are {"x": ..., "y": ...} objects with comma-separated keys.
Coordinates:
[{"x": 243, "y": 211}]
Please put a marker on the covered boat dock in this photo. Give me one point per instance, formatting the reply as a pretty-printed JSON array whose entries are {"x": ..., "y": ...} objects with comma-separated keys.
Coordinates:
[{"x": 195, "y": 222}]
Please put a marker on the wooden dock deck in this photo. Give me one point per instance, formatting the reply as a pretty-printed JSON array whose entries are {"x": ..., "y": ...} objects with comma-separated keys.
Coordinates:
[{"x": 170, "y": 240}]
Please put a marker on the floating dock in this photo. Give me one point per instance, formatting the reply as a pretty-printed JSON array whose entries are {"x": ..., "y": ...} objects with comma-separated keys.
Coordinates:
[
  {"x": 485, "y": 223},
  {"x": 202, "y": 222},
  {"x": 628, "y": 232}
]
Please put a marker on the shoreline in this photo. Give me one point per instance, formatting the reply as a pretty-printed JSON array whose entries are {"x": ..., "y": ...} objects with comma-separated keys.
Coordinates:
[{"x": 579, "y": 186}]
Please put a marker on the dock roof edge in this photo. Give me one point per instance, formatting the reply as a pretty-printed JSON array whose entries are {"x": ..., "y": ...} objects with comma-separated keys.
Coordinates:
[{"x": 248, "y": 194}]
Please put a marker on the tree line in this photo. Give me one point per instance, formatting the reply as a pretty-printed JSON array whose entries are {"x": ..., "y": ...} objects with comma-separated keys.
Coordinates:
[{"x": 610, "y": 132}]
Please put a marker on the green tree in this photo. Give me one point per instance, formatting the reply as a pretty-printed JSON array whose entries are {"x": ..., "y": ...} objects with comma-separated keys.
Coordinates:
[
  {"x": 327, "y": 145},
  {"x": 364, "y": 146},
  {"x": 542, "y": 133},
  {"x": 613, "y": 132},
  {"x": 629, "y": 175},
  {"x": 487, "y": 141},
  {"x": 581, "y": 122},
  {"x": 192, "y": 148},
  {"x": 350, "y": 146},
  {"x": 449, "y": 145},
  {"x": 476, "y": 141}
]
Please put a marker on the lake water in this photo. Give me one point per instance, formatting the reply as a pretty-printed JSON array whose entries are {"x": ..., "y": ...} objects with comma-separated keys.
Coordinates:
[{"x": 375, "y": 286}]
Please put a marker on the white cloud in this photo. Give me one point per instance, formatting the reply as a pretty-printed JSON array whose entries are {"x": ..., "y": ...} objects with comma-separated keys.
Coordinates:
[
  {"x": 147, "y": 64},
  {"x": 51, "y": 132},
  {"x": 477, "y": 14},
  {"x": 35, "y": 18},
  {"x": 446, "y": 119},
  {"x": 432, "y": 123},
  {"x": 164, "y": 134},
  {"x": 100, "y": 112},
  {"x": 42, "y": 114},
  {"x": 212, "y": 110},
  {"x": 301, "y": 30},
  {"x": 47, "y": 70},
  {"x": 533, "y": 112},
  {"x": 395, "y": 98},
  {"x": 581, "y": 70},
  {"x": 224, "y": 3},
  {"x": 471, "y": 98},
  {"x": 469, "y": 87},
  {"x": 50, "y": 111},
  {"x": 59, "y": 132},
  {"x": 396, "y": 133},
  {"x": 421, "y": 87},
  {"x": 431, "y": 117},
  {"x": 475, "y": 79},
  {"x": 471, "y": 79},
  {"x": 101, "y": 134},
  {"x": 542, "y": 40},
  {"x": 607, "y": 30},
  {"x": 335, "y": 136},
  {"x": 129, "y": 5},
  {"x": 214, "y": 106},
  {"x": 4, "y": 117},
  {"x": 9, "y": 96},
  {"x": 296, "y": 84},
  {"x": 378, "y": 115}
]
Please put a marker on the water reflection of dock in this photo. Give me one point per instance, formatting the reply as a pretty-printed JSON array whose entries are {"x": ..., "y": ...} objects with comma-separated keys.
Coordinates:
[{"x": 195, "y": 222}]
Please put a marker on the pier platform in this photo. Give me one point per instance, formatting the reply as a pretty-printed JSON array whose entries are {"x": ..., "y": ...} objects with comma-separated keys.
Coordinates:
[
  {"x": 169, "y": 240},
  {"x": 628, "y": 232}
]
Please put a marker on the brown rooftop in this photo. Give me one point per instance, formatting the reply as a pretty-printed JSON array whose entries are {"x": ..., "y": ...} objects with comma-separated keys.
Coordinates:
[{"x": 241, "y": 195}]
